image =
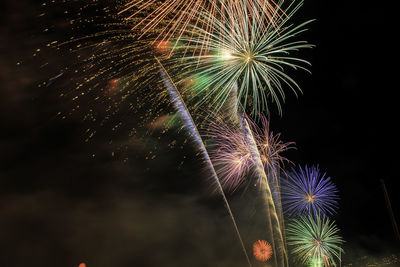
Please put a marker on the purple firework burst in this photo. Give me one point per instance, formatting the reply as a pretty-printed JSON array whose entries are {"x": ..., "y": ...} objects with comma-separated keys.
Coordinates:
[{"x": 308, "y": 191}]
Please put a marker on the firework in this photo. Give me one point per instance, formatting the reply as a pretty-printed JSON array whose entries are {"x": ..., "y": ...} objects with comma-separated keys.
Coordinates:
[
  {"x": 262, "y": 250},
  {"x": 314, "y": 239},
  {"x": 274, "y": 223},
  {"x": 230, "y": 156},
  {"x": 250, "y": 50},
  {"x": 308, "y": 191},
  {"x": 190, "y": 126},
  {"x": 270, "y": 145},
  {"x": 241, "y": 148},
  {"x": 173, "y": 17}
]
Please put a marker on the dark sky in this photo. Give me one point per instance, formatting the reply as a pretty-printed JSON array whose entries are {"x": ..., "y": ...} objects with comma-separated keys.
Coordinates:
[{"x": 60, "y": 206}]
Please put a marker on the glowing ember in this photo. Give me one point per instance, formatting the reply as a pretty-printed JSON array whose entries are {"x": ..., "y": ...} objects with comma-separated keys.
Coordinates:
[{"x": 163, "y": 46}]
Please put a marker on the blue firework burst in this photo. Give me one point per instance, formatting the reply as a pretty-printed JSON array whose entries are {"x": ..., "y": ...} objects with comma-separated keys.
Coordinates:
[{"x": 308, "y": 191}]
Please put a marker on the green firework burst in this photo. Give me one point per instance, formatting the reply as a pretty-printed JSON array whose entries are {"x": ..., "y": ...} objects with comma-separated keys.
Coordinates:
[
  {"x": 314, "y": 240},
  {"x": 247, "y": 48}
]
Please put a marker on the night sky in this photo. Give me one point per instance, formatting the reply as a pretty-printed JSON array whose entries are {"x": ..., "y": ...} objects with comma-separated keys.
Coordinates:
[{"x": 64, "y": 201}]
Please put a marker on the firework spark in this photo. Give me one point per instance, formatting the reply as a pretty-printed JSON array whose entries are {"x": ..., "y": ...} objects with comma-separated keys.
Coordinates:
[
  {"x": 241, "y": 50},
  {"x": 190, "y": 126},
  {"x": 314, "y": 239},
  {"x": 105, "y": 75},
  {"x": 173, "y": 17},
  {"x": 308, "y": 191},
  {"x": 262, "y": 250}
]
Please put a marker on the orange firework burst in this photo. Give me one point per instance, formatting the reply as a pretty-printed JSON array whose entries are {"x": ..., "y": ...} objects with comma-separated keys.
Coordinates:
[{"x": 262, "y": 250}]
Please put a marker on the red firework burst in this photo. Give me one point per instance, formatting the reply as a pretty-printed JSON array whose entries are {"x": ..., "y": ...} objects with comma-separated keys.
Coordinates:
[{"x": 262, "y": 250}]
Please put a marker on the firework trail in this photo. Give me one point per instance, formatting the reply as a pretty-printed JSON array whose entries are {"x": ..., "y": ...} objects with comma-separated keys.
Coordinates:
[
  {"x": 250, "y": 50},
  {"x": 238, "y": 150},
  {"x": 272, "y": 216},
  {"x": 308, "y": 191},
  {"x": 271, "y": 148},
  {"x": 189, "y": 124},
  {"x": 314, "y": 239}
]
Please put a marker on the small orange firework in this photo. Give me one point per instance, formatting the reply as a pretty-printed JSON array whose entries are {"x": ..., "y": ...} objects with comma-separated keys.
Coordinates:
[{"x": 262, "y": 250}]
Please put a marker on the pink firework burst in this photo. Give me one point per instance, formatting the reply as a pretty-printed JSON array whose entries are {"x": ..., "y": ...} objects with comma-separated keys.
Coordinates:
[{"x": 231, "y": 155}]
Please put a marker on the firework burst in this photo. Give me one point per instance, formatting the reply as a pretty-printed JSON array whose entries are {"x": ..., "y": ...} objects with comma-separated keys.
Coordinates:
[
  {"x": 241, "y": 151},
  {"x": 173, "y": 17},
  {"x": 231, "y": 155},
  {"x": 308, "y": 191},
  {"x": 314, "y": 239},
  {"x": 262, "y": 250},
  {"x": 248, "y": 49},
  {"x": 274, "y": 223},
  {"x": 270, "y": 146}
]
